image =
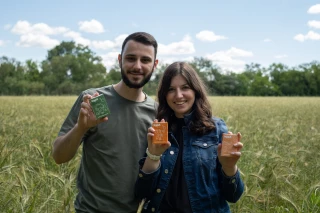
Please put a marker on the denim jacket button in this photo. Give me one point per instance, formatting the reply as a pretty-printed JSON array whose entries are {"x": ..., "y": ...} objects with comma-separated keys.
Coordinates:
[
  {"x": 153, "y": 209},
  {"x": 140, "y": 175},
  {"x": 233, "y": 180},
  {"x": 171, "y": 152},
  {"x": 158, "y": 190},
  {"x": 166, "y": 171},
  {"x": 205, "y": 144}
]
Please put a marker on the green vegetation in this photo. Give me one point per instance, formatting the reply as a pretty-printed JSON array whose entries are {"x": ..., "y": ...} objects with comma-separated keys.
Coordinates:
[
  {"x": 69, "y": 68},
  {"x": 280, "y": 163}
]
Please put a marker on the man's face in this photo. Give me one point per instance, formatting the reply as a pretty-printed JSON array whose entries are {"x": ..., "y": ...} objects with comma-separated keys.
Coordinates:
[{"x": 137, "y": 64}]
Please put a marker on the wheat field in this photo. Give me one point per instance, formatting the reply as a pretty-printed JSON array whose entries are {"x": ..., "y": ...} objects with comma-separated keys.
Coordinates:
[{"x": 280, "y": 162}]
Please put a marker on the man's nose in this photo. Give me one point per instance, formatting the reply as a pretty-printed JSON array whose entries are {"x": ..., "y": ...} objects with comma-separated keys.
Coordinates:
[{"x": 137, "y": 65}]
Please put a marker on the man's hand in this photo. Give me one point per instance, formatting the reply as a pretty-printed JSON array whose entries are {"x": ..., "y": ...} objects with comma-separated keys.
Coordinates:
[{"x": 86, "y": 118}]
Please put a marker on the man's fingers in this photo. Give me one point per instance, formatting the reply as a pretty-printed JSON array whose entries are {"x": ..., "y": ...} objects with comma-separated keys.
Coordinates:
[
  {"x": 86, "y": 106},
  {"x": 86, "y": 98},
  {"x": 95, "y": 94},
  {"x": 83, "y": 111},
  {"x": 100, "y": 120}
]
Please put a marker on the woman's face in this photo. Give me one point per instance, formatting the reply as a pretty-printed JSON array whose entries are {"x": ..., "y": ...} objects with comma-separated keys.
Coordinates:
[{"x": 180, "y": 96}]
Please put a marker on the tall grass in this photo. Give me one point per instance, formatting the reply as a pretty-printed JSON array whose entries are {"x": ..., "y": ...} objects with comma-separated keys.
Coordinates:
[{"x": 280, "y": 162}]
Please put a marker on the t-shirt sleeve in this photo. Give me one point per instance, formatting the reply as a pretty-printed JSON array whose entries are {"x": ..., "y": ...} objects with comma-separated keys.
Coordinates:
[{"x": 72, "y": 117}]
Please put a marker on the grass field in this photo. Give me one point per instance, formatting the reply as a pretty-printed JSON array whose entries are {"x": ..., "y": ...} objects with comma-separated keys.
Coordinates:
[{"x": 280, "y": 164}]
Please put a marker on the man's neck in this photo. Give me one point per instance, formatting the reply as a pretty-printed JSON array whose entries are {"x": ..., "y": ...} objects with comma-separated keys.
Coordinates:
[{"x": 131, "y": 94}]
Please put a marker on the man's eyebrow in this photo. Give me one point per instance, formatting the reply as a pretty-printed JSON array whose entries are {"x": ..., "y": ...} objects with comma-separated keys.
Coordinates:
[
  {"x": 130, "y": 55},
  {"x": 146, "y": 57}
]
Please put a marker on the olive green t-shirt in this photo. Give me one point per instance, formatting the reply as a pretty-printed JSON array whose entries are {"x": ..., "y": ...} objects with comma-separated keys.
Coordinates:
[{"x": 111, "y": 151}]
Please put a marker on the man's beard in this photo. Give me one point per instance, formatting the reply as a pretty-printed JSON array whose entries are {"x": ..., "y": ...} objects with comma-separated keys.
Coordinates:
[{"x": 135, "y": 85}]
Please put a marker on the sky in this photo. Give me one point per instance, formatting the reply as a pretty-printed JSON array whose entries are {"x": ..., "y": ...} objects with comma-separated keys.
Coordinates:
[{"x": 229, "y": 33}]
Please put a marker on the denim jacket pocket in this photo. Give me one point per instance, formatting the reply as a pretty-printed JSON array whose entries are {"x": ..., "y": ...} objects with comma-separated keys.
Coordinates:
[{"x": 205, "y": 148}]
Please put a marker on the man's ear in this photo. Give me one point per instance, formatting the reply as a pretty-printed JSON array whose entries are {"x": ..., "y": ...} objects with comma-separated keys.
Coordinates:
[
  {"x": 155, "y": 63},
  {"x": 119, "y": 60}
]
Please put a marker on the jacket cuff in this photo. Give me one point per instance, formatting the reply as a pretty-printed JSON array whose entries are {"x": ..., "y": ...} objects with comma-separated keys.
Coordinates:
[
  {"x": 230, "y": 179},
  {"x": 145, "y": 175}
]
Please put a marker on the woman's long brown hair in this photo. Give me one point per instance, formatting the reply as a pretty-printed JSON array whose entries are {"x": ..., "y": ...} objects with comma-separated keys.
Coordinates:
[{"x": 202, "y": 116}]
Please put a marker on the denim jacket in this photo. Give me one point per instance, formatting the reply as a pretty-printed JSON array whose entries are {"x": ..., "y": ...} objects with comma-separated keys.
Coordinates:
[{"x": 209, "y": 188}]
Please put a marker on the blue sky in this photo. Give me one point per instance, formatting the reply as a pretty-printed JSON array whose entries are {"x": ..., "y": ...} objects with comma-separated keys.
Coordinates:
[{"x": 230, "y": 33}]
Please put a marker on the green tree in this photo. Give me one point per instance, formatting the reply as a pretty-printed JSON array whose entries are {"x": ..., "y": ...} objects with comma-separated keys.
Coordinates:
[
  {"x": 71, "y": 68},
  {"x": 259, "y": 83},
  {"x": 152, "y": 86},
  {"x": 11, "y": 73},
  {"x": 312, "y": 77}
]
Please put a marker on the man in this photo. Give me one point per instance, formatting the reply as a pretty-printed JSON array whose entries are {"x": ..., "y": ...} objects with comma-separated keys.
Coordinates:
[{"x": 113, "y": 145}]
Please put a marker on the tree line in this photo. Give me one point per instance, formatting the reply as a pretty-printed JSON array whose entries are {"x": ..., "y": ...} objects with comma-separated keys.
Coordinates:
[{"x": 70, "y": 68}]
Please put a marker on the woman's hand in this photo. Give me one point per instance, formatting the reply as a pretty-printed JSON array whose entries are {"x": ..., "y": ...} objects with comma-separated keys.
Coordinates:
[
  {"x": 229, "y": 163},
  {"x": 156, "y": 149},
  {"x": 150, "y": 165}
]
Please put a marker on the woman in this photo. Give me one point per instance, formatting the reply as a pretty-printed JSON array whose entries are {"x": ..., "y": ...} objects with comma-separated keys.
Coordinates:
[{"x": 189, "y": 174}]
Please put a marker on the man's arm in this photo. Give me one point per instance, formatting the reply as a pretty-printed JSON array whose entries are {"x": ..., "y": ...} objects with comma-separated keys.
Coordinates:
[{"x": 66, "y": 146}]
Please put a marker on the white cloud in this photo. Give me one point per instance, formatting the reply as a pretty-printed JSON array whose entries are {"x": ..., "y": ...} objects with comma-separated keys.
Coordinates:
[
  {"x": 281, "y": 56},
  {"x": 177, "y": 48},
  {"x": 104, "y": 45},
  {"x": 119, "y": 40},
  {"x": 1, "y": 42},
  {"x": 92, "y": 26},
  {"x": 77, "y": 38},
  {"x": 107, "y": 44},
  {"x": 209, "y": 36},
  {"x": 314, "y": 24},
  {"x": 267, "y": 40},
  {"x": 37, "y": 40},
  {"x": 36, "y": 34},
  {"x": 311, "y": 35},
  {"x": 227, "y": 60},
  {"x": 314, "y": 9},
  {"x": 83, "y": 41},
  {"x": 235, "y": 52},
  {"x": 109, "y": 59},
  {"x": 170, "y": 60},
  {"x": 24, "y": 27},
  {"x": 299, "y": 37},
  {"x": 72, "y": 34}
]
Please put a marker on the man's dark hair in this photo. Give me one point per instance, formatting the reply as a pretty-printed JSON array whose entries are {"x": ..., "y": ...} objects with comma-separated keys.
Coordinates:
[{"x": 142, "y": 37}]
